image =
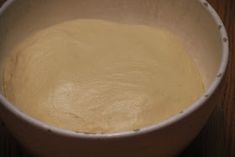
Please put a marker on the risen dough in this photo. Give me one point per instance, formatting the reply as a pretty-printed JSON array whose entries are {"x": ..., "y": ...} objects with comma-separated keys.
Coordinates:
[{"x": 98, "y": 76}]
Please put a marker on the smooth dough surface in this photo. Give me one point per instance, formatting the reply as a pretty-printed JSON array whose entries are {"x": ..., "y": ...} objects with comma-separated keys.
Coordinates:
[{"x": 98, "y": 76}]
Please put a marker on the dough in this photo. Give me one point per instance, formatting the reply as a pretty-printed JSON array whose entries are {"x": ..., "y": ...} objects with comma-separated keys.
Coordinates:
[{"x": 101, "y": 77}]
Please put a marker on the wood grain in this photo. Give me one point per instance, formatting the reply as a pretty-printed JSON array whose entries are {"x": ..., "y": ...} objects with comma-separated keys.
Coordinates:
[{"x": 217, "y": 139}]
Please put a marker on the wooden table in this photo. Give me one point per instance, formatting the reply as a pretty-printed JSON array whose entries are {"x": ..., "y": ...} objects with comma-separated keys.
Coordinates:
[{"x": 217, "y": 139}]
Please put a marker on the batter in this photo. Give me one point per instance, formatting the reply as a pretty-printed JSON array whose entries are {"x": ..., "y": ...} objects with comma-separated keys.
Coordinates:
[{"x": 97, "y": 76}]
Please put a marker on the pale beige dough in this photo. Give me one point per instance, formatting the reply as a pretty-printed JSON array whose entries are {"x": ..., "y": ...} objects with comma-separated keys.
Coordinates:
[{"x": 98, "y": 76}]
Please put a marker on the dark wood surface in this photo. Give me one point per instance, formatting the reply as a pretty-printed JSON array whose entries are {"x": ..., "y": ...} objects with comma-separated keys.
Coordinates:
[{"x": 217, "y": 139}]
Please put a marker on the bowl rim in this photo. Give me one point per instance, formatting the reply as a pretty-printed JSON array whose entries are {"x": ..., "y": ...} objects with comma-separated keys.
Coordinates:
[{"x": 165, "y": 123}]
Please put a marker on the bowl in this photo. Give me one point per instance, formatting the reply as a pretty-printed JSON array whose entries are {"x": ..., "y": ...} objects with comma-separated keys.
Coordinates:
[{"x": 194, "y": 21}]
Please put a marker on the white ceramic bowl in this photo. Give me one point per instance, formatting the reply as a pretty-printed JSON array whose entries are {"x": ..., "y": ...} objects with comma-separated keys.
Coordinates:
[{"x": 195, "y": 21}]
